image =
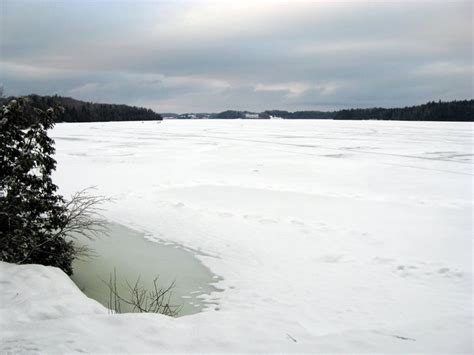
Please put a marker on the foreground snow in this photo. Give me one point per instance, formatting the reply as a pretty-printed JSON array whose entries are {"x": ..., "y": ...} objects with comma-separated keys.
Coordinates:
[
  {"x": 329, "y": 236},
  {"x": 43, "y": 311}
]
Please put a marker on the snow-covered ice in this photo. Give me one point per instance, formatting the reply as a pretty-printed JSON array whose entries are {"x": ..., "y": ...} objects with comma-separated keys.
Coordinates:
[{"x": 329, "y": 236}]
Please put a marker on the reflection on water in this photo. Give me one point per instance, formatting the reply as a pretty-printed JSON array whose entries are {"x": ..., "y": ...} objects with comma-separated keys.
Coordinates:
[{"x": 133, "y": 256}]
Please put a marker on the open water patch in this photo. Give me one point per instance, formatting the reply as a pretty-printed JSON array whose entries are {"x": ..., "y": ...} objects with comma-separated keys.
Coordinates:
[{"x": 132, "y": 256}]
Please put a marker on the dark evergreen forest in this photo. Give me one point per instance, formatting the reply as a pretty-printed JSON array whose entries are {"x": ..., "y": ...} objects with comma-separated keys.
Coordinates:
[
  {"x": 81, "y": 111},
  {"x": 432, "y": 111}
]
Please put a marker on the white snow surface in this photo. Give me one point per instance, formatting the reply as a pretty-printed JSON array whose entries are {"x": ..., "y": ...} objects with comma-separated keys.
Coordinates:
[{"x": 330, "y": 236}]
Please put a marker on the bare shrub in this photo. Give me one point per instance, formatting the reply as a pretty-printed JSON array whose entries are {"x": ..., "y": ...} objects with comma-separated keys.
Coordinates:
[
  {"x": 84, "y": 214},
  {"x": 142, "y": 300}
]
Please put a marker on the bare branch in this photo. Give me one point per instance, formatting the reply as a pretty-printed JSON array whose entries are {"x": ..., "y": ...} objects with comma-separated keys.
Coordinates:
[
  {"x": 155, "y": 300},
  {"x": 84, "y": 215}
]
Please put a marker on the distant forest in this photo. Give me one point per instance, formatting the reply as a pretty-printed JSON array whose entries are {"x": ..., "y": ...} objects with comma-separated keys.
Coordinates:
[
  {"x": 432, "y": 111},
  {"x": 300, "y": 115},
  {"x": 230, "y": 114},
  {"x": 81, "y": 111}
]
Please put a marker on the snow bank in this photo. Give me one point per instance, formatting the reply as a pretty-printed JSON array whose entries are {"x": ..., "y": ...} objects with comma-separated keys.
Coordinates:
[{"x": 43, "y": 311}]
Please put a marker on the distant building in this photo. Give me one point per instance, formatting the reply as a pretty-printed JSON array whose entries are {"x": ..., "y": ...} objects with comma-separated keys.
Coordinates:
[{"x": 251, "y": 115}]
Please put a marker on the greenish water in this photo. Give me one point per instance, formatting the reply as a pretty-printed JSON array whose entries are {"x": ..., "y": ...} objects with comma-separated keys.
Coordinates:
[{"x": 132, "y": 256}]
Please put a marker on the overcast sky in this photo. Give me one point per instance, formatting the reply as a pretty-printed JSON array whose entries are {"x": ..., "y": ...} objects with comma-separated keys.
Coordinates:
[{"x": 208, "y": 56}]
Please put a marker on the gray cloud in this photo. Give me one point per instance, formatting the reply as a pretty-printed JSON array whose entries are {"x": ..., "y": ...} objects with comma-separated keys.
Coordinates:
[{"x": 213, "y": 55}]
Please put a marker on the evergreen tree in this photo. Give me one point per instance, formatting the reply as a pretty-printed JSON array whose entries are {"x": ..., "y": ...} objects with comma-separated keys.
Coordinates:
[{"x": 32, "y": 215}]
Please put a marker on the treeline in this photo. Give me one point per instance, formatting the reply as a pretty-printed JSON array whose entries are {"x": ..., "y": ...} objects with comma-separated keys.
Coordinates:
[
  {"x": 232, "y": 114},
  {"x": 432, "y": 111},
  {"x": 299, "y": 115},
  {"x": 81, "y": 111}
]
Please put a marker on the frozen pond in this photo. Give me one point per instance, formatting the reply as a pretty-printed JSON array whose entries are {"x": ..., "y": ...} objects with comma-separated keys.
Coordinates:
[
  {"x": 132, "y": 256},
  {"x": 322, "y": 230}
]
